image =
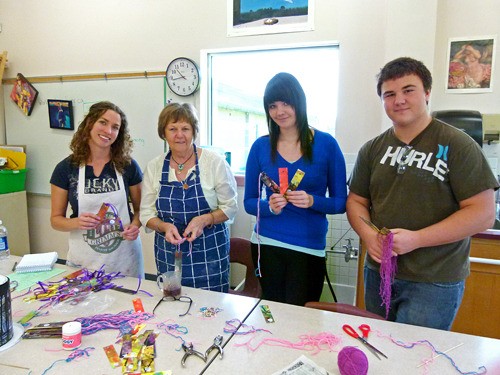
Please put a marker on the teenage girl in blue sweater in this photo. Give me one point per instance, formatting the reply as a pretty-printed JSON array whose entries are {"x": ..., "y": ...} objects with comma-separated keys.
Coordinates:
[{"x": 292, "y": 227}]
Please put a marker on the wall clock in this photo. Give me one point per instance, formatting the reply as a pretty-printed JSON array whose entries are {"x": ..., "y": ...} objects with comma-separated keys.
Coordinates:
[{"x": 183, "y": 76}]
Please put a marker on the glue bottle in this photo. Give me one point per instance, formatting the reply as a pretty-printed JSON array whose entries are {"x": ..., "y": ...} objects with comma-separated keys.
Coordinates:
[
  {"x": 4, "y": 245},
  {"x": 71, "y": 335}
]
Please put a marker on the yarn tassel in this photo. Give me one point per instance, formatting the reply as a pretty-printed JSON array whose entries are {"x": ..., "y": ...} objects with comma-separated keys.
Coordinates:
[
  {"x": 388, "y": 270},
  {"x": 258, "y": 273}
]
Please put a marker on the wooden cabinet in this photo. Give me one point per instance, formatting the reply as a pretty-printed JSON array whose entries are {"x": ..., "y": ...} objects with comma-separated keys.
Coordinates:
[
  {"x": 14, "y": 214},
  {"x": 479, "y": 313}
]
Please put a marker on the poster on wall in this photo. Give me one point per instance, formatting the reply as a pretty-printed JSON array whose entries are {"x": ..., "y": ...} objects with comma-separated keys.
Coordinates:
[
  {"x": 60, "y": 114},
  {"x": 24, "y": 94},
  {"x": 470, "y": 64},
  {"x": 255, "y": 17}
]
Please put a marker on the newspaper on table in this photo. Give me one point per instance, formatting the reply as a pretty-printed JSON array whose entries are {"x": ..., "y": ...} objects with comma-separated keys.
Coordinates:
[{"x": 302, "y": 366}]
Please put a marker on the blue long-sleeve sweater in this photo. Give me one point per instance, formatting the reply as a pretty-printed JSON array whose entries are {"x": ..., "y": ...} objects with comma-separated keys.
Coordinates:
[{"x": 306, "y": 227}]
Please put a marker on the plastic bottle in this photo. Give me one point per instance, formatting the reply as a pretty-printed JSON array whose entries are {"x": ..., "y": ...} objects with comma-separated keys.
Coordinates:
[{"x": 4, "y": 245}]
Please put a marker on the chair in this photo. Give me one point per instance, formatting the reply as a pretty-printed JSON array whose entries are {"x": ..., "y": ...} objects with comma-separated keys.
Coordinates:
[
  {"x": 240, "y": 252},
  {"x": 343, "y": 308}
]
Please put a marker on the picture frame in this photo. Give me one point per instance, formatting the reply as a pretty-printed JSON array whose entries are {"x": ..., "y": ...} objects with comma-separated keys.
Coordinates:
[
  {"x": 470, "y": 64},
  {"x": 61, "y": 114},
  {"x": 257, "y": 17},
  {"x": 24, "y": 94}
]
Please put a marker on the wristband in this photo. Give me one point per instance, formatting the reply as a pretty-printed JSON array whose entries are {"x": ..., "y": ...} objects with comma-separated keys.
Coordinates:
[{"x": 274, "y": 213}]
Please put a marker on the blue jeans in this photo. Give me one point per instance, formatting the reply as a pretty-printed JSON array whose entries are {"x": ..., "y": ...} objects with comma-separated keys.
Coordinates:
[{"x": 432, "y": 305}]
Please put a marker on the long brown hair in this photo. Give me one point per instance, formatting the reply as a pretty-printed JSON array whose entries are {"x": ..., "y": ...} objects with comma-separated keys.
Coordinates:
[{"x": 121, "y": 147}]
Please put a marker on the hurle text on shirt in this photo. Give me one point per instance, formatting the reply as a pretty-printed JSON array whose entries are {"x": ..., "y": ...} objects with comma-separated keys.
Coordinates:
[{"x": 420, "y": 160}]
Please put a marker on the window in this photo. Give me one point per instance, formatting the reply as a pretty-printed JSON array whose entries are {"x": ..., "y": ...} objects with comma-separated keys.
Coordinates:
[{"x": 235, "y": 84}]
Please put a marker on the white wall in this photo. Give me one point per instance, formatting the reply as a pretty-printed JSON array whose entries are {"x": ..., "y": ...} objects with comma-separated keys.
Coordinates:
[{"x": 61, "y": 37}]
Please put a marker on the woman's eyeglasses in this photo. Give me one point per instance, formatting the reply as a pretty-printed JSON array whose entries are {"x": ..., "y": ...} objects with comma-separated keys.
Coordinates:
[
  {"x": 180, "y": 298},
  {"x": 404, "y": 159}
]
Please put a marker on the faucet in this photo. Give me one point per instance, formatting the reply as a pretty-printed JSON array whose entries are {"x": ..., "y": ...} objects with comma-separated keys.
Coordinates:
[{"x": 350, "y": 252}]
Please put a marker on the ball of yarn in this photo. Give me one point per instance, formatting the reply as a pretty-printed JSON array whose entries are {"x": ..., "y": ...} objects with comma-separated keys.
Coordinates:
[{"x": 352, "y": 361}]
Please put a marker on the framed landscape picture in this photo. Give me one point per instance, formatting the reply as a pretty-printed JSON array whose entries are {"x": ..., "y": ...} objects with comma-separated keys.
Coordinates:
[
  {"x": 61, "y": 114},
  {"x": 254, "y": 17}
]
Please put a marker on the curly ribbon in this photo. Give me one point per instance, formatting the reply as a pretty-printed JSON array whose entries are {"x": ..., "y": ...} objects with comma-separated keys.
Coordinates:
[
  {"x": 426, "y": 343},
  {"x": 74, "y": 355},
  {"x": 311, "y": 343},
  {"x": 93, "y": 324},
  {"x": 258, "y": 273},
  {"x": 54, "y": 292},
  {"x": 388, "y": 269},
  {"x": 236, "y": 327},
  {"x": 173, "y": 329}
]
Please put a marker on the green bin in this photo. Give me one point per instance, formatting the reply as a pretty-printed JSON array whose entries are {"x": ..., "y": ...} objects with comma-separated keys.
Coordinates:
[{"x": 12, "y": 181}]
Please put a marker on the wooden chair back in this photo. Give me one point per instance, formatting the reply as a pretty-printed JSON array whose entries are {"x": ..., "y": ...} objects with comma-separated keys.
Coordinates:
[{"x": 240, "y": 252}]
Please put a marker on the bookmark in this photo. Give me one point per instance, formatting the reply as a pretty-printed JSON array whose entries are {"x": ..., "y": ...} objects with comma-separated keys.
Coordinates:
[
  {"x": 283, "y": 173},
  {"x": 266, "y": 312},
  {"x": 266, "y": 180},
  {"x": 112, "y": 355},
  {"x": 102, "y": 211},
  {"x": 138, "y": 307},
  {"x": 297, "y": 177}
]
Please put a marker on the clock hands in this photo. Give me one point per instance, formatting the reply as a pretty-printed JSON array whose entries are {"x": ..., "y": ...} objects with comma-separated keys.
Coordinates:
[{"x": 181, "y": 76}]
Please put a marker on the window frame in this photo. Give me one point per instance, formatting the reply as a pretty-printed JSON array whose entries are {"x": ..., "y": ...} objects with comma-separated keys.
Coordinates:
[{"x": 205, "y": 135}]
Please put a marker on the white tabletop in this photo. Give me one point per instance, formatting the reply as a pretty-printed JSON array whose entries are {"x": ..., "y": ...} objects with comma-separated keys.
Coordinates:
[
  {"x": 468, "y": 352},
  {"x": 39, "y": 354},
  {"x": 293, "y": 321}
]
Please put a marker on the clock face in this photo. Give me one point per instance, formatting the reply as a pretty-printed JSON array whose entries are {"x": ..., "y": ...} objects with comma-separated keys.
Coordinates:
[{"x": 183, "y": 76}]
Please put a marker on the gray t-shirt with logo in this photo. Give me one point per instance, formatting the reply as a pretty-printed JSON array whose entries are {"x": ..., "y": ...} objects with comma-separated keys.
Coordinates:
[{"x": 445, "y": 166}]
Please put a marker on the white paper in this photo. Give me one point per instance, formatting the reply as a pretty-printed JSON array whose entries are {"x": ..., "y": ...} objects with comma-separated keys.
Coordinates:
[{"x": 302, "y": 366}]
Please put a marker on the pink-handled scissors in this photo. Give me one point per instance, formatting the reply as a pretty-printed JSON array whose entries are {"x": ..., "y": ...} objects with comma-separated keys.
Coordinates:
[{"x": 365, "y": 329}]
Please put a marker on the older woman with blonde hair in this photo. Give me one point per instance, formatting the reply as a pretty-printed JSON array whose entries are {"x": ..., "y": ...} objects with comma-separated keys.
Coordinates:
[{"x": 188, "y": 196}]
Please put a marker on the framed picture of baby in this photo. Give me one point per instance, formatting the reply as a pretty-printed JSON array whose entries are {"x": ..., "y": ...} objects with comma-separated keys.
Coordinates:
[
  {"x": 24, "y": 94},
  {"x": 60, "y": 114},
  {"x": 470, "y": 64}
]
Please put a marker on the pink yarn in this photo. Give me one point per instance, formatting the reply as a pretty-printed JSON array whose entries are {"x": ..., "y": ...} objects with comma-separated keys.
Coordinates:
[
  {"x": 388, "y": 269},
  {"x": 308, "y": 342},
  {"x": 352, "y": 361}
]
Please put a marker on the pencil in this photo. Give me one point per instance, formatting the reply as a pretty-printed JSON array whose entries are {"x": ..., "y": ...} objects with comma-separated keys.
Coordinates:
[{"x": 14, "y": 267}]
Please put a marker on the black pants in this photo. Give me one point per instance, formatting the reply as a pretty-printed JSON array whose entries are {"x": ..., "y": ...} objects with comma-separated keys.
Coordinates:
[{"x": 289, "y": 276}]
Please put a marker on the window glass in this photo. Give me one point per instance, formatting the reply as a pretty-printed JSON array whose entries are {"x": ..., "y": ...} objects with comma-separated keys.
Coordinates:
[{"x": 237, "y": 80}]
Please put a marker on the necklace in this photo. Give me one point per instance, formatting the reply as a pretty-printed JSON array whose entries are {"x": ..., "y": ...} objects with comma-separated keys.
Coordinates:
[{"x": 180, "y": 166}]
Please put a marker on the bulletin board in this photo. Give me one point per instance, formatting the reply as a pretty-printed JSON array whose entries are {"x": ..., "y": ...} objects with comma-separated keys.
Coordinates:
[{"x": 142, "y": 100}]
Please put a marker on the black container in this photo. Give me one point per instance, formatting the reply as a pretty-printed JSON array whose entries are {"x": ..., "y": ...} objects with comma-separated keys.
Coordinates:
[
  {"x": 471, "y": 122},
  {"x": 6, "y": 327}
]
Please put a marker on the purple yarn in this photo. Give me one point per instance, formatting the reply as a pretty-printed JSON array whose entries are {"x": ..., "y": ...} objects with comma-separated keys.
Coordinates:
[
  {"x": 388, "y": 269},
  {"x": 352, "y": 361}
]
